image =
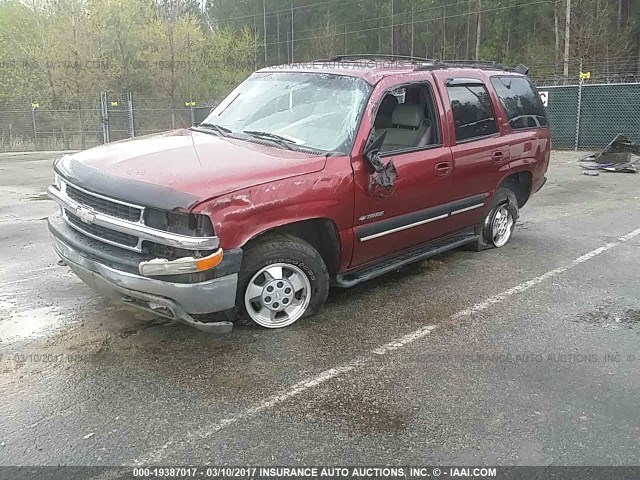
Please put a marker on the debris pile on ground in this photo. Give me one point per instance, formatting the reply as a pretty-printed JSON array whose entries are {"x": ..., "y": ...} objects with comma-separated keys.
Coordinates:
[{"x": 621, "y": 155}]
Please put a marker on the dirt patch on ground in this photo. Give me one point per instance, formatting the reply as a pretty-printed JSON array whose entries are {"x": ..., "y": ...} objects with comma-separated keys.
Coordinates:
[
  {"x": 610, "y": 315},
  {"x": 361, "y": 413},
  {"x": 112, "y": 331},
  {"x": 433, "y": 265},
  {"x": 631, "y": 317}
]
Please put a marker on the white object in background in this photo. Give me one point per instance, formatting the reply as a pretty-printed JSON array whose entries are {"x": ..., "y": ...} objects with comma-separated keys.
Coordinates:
[{"x": 544, "y": 96}]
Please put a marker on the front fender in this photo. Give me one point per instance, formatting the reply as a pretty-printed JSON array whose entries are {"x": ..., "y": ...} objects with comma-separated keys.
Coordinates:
[{"x": 240, "y": 216}]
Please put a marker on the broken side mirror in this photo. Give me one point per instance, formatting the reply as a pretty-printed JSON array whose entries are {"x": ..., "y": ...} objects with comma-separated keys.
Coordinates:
[
  {"x": 373, "y": 147},
  {"x": 385, "y": 174}
]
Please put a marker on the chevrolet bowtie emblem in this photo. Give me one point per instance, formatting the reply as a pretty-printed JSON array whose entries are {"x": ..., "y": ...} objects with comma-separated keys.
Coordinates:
[{"x": 87, "y": 216}]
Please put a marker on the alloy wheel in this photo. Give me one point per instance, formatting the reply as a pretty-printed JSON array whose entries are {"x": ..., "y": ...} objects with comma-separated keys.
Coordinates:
[
  {"x": 501, "y": 226},
  {"x": 277, "y": 295}
]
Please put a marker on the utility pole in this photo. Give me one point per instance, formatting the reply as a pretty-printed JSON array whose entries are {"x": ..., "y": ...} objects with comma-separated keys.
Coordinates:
[
  {"x": 443, "y": 50},
  {"x": 346, "y": 40},
  {"x": 426, "y": 42},
  {"x": 479, "y": 30},
  {"x": 292, "y": 31},
  {"x": 556, "y": 31},
  {"x": 264, "y": 28},
  {"x": 413, "y": 25},
  {"x": 466, "y": 50},
  {"x": 278, "y": 33},
  {"x": 567, "y": 34},
  {"x": 329, "y": 36},
  {"x": 619, "y": 13},
  {"x": 255, "y": 43},
  {"x": 392, "y": 22}
]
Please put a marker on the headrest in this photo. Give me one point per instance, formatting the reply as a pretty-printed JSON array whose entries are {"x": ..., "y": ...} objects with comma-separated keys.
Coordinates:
[{"x": 408, "y": 115}]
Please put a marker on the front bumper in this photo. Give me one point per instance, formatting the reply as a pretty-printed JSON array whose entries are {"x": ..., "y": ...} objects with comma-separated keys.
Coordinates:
[{"x": 178, "y": 301}]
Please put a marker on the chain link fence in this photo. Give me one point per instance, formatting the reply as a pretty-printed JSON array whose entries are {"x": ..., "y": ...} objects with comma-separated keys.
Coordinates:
[
  {"x": 583, "y": 116},
  {"x": 151, "y": 117},
  {"x": 31, "y": 126},
  {"x": 42, "y": 127},
  {"x": 588, "y": 116}
]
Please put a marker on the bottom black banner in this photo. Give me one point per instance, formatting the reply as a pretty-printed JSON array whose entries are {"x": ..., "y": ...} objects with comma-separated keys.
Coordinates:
[{"x": 321, "y": 472}]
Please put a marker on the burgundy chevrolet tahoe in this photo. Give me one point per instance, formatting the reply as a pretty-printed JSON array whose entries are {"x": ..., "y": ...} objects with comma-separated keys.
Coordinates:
[{"x": 305, "y": 176}]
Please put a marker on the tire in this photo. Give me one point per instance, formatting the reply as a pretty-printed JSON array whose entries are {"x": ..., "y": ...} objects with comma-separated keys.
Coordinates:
[
  {"x": 498, "y": 225},
  {"x": 282, "y": 279}
]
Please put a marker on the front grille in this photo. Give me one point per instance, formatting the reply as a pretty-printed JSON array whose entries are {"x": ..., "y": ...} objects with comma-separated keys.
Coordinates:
[
  {"x": 102, "y": 205},
  {"x": 101, "y": 232}
]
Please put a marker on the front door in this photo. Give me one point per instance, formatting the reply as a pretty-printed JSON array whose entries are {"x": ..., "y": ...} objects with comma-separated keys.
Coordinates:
[{"x": 414, "y": 210}]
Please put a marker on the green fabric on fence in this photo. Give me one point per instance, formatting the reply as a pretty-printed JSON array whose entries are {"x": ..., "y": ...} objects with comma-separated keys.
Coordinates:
[{"x": 606, "y": 111}]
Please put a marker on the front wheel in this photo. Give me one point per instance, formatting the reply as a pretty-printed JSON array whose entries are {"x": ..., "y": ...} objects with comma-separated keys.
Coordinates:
[{"x": 283, "y": 279}]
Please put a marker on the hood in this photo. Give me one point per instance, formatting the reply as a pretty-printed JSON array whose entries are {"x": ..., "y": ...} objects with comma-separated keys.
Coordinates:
[{"x": 181, "y": 168}]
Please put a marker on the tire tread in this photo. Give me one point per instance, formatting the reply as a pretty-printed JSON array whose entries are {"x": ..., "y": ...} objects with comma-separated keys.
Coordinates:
[{"x": 262, "y": 249}]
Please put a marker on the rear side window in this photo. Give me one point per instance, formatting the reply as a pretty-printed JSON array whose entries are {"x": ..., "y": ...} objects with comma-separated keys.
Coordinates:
[
  {"x": 521, "y": 102},
  {"x": 472, "y": 112}
]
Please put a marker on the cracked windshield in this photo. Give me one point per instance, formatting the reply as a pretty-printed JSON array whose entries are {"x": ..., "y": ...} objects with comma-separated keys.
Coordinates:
[{"x": 312, "y": 110}]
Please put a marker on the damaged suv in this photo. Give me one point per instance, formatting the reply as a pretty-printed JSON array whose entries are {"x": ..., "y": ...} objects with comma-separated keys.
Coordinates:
[{"x": 305, "y": 176}]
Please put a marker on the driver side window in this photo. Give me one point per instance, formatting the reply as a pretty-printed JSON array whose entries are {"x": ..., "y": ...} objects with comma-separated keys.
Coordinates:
[{"x": 407, "y": 117}]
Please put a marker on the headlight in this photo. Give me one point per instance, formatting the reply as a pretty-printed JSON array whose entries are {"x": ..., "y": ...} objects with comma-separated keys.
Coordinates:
[
  {"x": 162, "y": 266},
  {"x": 57, "y": 182},
  {"x": 181, "y": 223}
]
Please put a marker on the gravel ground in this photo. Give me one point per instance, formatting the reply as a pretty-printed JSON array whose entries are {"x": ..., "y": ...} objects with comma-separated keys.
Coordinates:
[{"x": 526, "y": 355}]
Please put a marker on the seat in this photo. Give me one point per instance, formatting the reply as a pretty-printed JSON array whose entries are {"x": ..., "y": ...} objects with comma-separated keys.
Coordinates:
[{"x": 409, "y": 128}]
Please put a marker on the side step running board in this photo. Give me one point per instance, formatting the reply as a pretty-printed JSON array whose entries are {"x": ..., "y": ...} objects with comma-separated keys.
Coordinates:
[{"x": 354, "y": 277}]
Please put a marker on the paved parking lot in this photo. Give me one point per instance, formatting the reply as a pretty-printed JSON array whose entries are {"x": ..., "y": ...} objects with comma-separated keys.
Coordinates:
[{"x": 526, "y": 355}]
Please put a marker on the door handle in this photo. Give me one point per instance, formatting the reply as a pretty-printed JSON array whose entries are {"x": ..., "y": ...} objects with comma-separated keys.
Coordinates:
[
  {"x": 498, "y": 156},
  {"x": 443, "y": 168}
]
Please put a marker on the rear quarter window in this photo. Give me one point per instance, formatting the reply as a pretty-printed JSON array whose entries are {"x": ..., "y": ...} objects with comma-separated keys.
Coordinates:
[{"x": 521, "y": 102}]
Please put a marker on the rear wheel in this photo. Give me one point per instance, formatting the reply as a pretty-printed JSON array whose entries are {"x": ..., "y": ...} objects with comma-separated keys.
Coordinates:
[
  {"x": 282, "y": 280},
  {"x": 498, "y": 225},
  {"x": 501, "y": 226}
]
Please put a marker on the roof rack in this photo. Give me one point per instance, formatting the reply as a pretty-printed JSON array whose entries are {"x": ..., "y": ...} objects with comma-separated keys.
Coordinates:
[
  {"x": 486, "y": 65},
  {"x": 489, "y": 65},
  {"x": 381, "y": 56},
  {"x": 428, "y": 63}
]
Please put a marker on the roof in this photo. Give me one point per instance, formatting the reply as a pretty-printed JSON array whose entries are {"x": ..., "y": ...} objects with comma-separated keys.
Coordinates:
[{"x": 372, "y": 68}]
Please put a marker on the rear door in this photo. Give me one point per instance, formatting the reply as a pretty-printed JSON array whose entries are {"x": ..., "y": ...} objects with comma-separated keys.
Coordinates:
[
  {"x": 526, "y": 124},
  {"x": 480, "y": 149}
]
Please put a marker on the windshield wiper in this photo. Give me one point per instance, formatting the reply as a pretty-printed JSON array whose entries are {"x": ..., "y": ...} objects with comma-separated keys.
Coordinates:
[
  {"x": 280, "y": 140},
  {"x": 224, "y": 131}
]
